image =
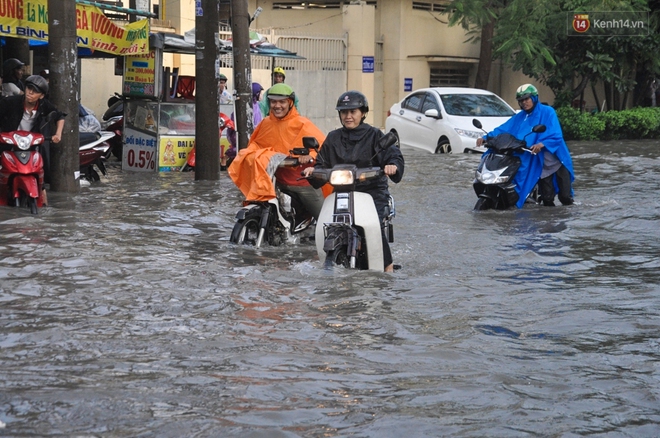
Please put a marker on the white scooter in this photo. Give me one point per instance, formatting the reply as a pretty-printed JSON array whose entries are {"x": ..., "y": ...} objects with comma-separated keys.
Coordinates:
[{"x": 348, "y": 231}]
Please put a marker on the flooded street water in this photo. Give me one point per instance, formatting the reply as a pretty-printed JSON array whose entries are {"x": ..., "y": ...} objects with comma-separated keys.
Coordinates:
[{"x": 126, "y": 312}]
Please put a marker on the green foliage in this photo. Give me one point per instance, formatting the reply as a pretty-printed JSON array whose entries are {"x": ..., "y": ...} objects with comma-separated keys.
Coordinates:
[
  {"x": 632, "y": 124},
  {"x": 531, "y": 36},
  {"x": 579, "y": 125}
]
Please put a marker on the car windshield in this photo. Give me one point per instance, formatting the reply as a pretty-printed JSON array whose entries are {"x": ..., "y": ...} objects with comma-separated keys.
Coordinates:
[{"x": 485, "y": 105}]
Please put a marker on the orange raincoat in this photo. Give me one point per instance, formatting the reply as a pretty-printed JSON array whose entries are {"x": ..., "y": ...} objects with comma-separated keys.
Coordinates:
[{"x": 253, "y": 167}]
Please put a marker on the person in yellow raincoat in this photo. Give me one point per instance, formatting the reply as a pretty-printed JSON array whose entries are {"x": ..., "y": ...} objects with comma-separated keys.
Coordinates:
[{"x": 270, "y": 143}]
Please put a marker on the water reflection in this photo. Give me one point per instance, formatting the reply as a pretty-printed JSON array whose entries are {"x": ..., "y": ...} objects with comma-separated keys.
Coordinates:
[{"x": 127, "y": 312}]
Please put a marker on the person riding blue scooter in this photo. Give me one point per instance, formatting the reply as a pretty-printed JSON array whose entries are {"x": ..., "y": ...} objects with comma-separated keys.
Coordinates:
[{"x": 552, "y": 169}]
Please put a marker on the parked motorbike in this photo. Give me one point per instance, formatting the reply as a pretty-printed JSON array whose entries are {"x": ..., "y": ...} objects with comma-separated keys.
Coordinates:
[
  {"x": 93, "y": 149},
  {"x": 113, "y": 120},
  {"x": 350, "y": 234},
  {"x": 494, "y": 177},
  {"x": 223, "y": 122},
  {"x": 22, "y": 167},
  {"x": 21, "y": 170},
  {"x": 276, "y": 221}
]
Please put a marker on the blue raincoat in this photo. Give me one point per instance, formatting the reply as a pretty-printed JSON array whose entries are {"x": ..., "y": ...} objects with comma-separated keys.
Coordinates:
[{"x": 531, "y": 166}]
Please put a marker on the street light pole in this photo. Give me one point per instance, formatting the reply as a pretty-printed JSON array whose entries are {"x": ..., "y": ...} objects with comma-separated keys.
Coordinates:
[{"x": 207, "y": 101}]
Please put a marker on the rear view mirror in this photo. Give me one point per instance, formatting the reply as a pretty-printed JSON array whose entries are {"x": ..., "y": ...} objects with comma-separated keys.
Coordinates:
[
  {"x": 477, "y": 124},
  {"x": 50, "y": 118},
  {"x": 387, "y": 141},
  {"x": 538, "y": 129},
  {"x": 310, "y": 143}
]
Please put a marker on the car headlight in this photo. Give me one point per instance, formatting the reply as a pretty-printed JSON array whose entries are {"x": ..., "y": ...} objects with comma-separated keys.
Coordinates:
[
  {"x": 341, "y": 177},
  {"x": 23, "y": 142},
  {"x": 467, "y": 133},
  {"x": 492, "y": 176}
]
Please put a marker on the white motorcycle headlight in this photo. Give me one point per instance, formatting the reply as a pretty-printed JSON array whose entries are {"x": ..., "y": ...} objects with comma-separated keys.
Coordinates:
[
  {"x": 341, "y": 177},
  {"x": 467, "y": 133},
  {"x": 492, "y": 176},
  {"x": 22, "y": 142}
]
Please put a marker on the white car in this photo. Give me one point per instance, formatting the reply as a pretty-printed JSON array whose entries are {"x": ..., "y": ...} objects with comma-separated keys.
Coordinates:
[{"x": 439, "y": 119}]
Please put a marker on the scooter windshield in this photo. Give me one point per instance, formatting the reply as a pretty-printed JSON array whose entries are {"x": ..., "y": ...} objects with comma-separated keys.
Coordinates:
[{"x": 505, "y": 142}]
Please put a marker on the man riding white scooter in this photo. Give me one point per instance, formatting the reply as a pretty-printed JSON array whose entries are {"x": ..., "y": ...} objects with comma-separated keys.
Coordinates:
[{"x": 552, "y": 170}]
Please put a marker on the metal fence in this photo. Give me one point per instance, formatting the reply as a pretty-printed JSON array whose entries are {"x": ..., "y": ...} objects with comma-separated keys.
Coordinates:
[{"x": 320, "y": 53}]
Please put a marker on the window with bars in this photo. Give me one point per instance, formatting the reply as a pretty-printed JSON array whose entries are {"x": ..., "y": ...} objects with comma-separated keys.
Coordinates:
[
  {"x": 450, "y": 77},
  {"x": 431, "y": 7}
]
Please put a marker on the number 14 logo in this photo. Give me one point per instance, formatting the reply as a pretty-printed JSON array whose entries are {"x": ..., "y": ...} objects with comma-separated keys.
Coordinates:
[{"x": 581, "y": 23}]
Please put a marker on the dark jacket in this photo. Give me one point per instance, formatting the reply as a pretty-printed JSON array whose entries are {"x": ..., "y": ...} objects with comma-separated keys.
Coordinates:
[
  {"x": 358, "y": 146},
  {"x": 11, "y": 114}
]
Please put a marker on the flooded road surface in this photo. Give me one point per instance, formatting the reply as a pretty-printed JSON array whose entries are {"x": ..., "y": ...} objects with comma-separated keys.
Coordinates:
[{"x": 126, "y": 312}]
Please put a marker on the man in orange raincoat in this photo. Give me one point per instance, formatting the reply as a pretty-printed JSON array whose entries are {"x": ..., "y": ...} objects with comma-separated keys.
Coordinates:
[{"x": 270, "y": 143}]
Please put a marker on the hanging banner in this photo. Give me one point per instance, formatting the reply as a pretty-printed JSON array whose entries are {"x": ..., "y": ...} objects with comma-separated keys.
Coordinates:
[{"x": 29, "y": 19}]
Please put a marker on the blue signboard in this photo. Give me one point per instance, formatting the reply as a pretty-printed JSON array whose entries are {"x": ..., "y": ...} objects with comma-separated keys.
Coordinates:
[
  {"x": 367, "y": 64},
  {"x": 407, "y": 84}
]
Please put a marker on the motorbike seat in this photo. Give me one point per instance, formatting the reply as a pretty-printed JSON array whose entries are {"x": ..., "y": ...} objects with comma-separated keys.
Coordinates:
[{"x": 87, "y": 137}]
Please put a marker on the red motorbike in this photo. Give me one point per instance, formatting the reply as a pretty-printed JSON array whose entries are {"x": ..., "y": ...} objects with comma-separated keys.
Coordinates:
[
  {"x": 113, "y": 120},
  {"x": 21, "y": 170},
  {"x": 223, "y": 122}
]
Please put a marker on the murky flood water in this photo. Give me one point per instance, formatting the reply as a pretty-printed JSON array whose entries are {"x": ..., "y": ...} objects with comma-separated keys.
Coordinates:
[{"x": 126, "y": 312}]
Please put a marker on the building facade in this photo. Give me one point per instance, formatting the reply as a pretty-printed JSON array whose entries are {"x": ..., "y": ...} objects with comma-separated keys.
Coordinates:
[{"x": 384, "y": 48}]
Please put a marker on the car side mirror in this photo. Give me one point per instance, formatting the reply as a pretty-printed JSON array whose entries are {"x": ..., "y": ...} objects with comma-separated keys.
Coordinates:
[{"x": 433, "y": 113}]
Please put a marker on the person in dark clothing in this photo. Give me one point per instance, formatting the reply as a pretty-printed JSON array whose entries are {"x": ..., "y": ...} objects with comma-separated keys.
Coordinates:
[
  {"x": 356, "y": 143},
  {"x": 29, "y": 112},
  {"x": 12, "y": 73}
]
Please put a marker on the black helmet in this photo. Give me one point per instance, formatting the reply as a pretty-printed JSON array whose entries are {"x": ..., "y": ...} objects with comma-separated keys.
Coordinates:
[
  {"x": 10, "y": 65},
  {"x": 352, "y": 100},
  {"x": 38, "y": 83}
]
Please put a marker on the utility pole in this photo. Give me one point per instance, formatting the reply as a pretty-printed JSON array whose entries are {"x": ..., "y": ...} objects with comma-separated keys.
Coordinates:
[
  {"x": 240, "y": 29},
  {"x": 207, "y": 101},
  {"x": 63, "y": 65}
]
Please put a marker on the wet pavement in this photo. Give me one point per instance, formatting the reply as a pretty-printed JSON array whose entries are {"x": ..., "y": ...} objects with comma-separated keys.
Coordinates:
[{"x": 126, "y": 312}]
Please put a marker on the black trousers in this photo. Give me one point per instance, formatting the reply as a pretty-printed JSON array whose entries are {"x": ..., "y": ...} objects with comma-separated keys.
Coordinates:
[
  {"x": 382, "y": 208},
  {"x": 547, "y": 187}
]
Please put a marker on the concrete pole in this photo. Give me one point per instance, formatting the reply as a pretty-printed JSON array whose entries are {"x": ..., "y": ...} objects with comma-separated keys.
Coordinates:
[
  {"x": 207, "y": 101},
  {"x": 63, "y": 65},
  {"x": 240, "y": 29}
]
